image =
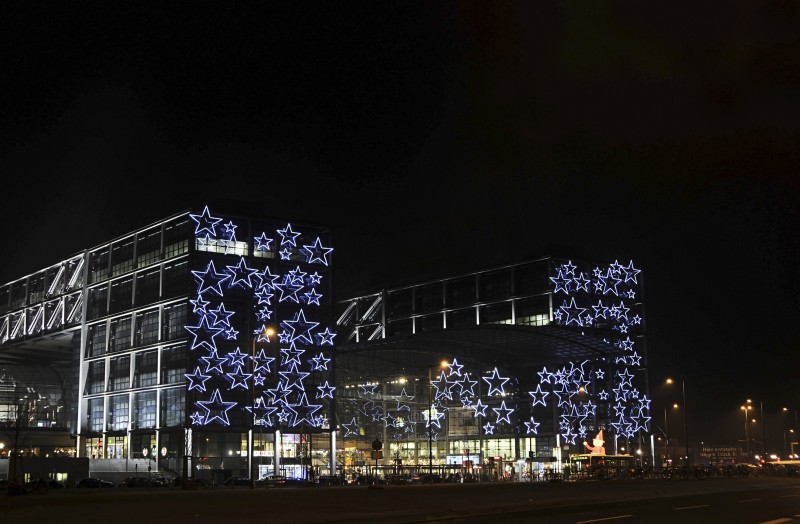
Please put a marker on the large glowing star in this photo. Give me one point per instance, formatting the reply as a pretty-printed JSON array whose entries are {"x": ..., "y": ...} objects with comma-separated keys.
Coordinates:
[
  {"x": 288, "y": 237},
  {"x": 210, "y": 280},
  {"x": 326, "y": 337},
  {"x": 241, "y": 275},
  {"x": 213, "y": 362},
  {"x": 203, "y": 335},
  {"x": 262, "y": 242},
  {"x": 325, "y": 390},
  {"x": 350, "y": 428},
  {"x": 300, "y": 328},
  {"x": 316, "y": 252},
  {"x": 221, "y": 315},
  {"x": 538, "y": 395},
  {"x": 320, "y": 362},
  {"x": 238, "y": 378},
  {"x": 205, "y": 223},
  {"x": 503, "y": 413},
  {"x": 573, "y": 313},
  {"x": 261, "y": 362},
  {"x": 532, "y": 427},
  {"x": 216, "y": 409},
  {"x": 197, "y": 380},
  {"x": 496, "y": 383}
]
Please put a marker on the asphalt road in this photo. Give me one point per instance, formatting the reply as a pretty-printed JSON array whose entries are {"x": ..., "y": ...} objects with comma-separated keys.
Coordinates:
[{"x": 712, "y": 500}]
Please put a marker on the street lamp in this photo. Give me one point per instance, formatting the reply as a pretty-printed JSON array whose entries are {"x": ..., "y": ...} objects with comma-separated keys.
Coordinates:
[
  {"x": 265, "y": 334},
  {"x": 744, "y": 409},
  {"x": 440, "y": 365},
  {"x": 685, "y": 417}
]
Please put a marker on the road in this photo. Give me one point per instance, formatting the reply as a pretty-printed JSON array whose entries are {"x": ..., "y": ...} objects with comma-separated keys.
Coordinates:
[
  {"x": 773, "y": 505},
  {"x": 752, "y": 500}
]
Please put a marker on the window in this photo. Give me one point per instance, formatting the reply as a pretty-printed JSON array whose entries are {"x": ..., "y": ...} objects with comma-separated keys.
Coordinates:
[
  {"x": 428, "y": 299},
  {"x": 94, "y": 415},
  {"x": 98, "y": 265},
  {"x": 119, "y": 334},
  {"x": 530, "y": 279},
  {"x": 461, "y": 318},
  {"x": 96, "y": 378},
  {"x": 145, "y": 371},
  {"x": 98, "y": 298},
  {"x": 36, "y": 288},
  {"x": 399, "y": 303},
  {"x": 118, "y": 416},
  {"x": 176, "y": 237},
  {"x": 146, "y": 328},
  {"x": 176, "y": 279},
  {"x": 173, "y": 407},
  {"x": 54, "y": 281},
  {"x": 148, "y": 247},
  {"x": 144, "y": 410},
  {"x": 122, "y": 257},
  {"x": 119, "y": 373},
  {"x": 18, "y": 290},
  {"x": 174, "y": 320},
  {"x": 460, "y": 292},
  {"x": 173, "y": 364},
  {"x": 5, "y": 293},
  {"x": 534, "y": 311},
  {"x": 121, "y": 295},
  {"x": 495, "y": 313},
  {"x": 96, "y": 340},
  {"x": 495, "y": 285},
  {"x": 147, "y": 284}
]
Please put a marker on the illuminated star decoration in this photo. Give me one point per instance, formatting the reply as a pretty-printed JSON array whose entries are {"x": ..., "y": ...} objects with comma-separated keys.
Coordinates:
[
  {"x": 316, "y": 252},
  {"x": 288, "y": 237},
  {"x": 496, "y": 383},
  {"x": 262, "y": 242},
  {"x": 532, "y": 427},
  {"x": 214, "y": 332},
  {"x": 216, "y": 409},
  {"x": 205, "y": 223},
  {"x": 197, "y": 380}
]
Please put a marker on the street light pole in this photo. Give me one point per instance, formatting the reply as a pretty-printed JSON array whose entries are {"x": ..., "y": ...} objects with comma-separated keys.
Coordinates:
[
  {"x": 666, "y": 437},
  {"x": 685, "y": 417},
  {"x": 746, "y": 435},
  {"x": 685, "y": 422},
  {"x": 442, "y": 364}
]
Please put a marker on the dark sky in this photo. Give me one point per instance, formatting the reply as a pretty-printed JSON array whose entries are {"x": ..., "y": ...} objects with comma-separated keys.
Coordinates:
[{"x": 436, "y": 137}]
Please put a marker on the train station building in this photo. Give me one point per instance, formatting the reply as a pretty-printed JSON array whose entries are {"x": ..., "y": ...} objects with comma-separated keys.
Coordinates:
[{"x": 210, "y": 344}]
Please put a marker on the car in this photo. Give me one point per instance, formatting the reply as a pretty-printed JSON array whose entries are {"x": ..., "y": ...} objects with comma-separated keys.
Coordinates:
[
  {"x": 236, "y": 481},
  {"x": 144, "y": 482},
  {"x": 274, "y": 480},
  {"x": 330, "y": 480},
  {"x": 94, "y": 482}
]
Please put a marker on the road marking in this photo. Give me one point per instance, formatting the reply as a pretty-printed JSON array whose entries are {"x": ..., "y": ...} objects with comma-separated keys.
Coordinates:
[
  {"x": 776, "y": 521},
  {"x": 748, "y": 500},
  {"x": 692, "y": 507},
  {"x": 601, "y": 520},
  {"x": 784, "y": 496}
]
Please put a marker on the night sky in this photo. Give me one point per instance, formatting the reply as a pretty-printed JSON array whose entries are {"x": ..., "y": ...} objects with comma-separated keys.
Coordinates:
[{"x": 436, "y": 138}]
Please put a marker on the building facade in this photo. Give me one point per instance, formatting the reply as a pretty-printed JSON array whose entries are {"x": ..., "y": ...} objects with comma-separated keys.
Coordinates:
[
  {"x": 208, "y": 344},
  {"x": 200, "y": 344},
  {"x": 510, "y": 369}
]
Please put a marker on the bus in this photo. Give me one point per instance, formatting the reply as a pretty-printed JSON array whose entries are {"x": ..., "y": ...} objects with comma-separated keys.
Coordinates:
[{"x": 602, "y": 467}]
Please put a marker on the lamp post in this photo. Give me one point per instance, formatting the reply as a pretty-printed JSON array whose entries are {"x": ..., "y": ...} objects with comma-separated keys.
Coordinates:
[
  {"x": 685, "y": 417},
  {"x": 265, "y": 334},
  {"x": 440, "y": 365},
  {"x": 744, "y": 409},
  {"x": 666, "y": 437}
]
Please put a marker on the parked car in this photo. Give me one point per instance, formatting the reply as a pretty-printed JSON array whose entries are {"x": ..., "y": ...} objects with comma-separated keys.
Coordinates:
[
  {"x": 274, "y": 480},
  {"x": 236, "y": 481},
  {"x": 330, "y": 480},
  {"x": 93, "y": 482},
  {"x": 145, "y": 482}
]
